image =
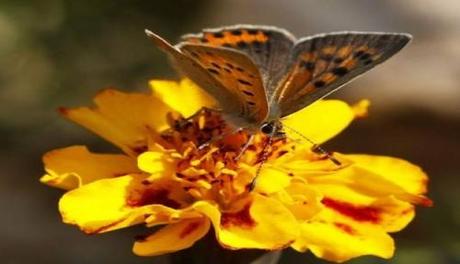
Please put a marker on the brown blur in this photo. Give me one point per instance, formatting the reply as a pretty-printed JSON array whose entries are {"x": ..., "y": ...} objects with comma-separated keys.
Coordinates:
[{"x": 61, "y": 52}]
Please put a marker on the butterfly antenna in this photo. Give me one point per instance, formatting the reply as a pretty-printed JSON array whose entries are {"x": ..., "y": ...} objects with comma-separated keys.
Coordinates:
[
  {"x": 316, "y": 147},
  {"x": 264, "y": 158},
  {"x": 245, "y": 147}
]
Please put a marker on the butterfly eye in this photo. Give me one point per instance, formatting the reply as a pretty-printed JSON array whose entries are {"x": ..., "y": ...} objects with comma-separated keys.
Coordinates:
[{"x": 267, "y": 128}]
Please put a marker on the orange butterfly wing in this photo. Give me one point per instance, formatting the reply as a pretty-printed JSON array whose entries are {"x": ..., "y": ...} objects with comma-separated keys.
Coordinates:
[
  {"x": 321, "y": 64},
  {"x": 268, "y": 47},
  {"x": 240, "y": 77},
  {"x": 227, "y": 75}
]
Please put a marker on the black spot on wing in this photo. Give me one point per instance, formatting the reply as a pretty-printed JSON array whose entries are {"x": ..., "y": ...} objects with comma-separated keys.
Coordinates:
[
  {"x": 367, "y": 62},
  {"x": 213, "y": 71},
  {"x": 244, "y": 82},
  {"x": 257, "y": 44},
  {"x": 215, "y": 65},
  {"x": 358, "y": 54},
  {"x": 307, "y": 65},
  {"x": 241, "y": 44},
  {"x": 319, "y": 84},
  {"x": 248, "y": 92},
  {"x": 338, "y": 60},
  {"x": 327, "y": 57},
  {"x": 340, "y": 71},
  {"x": 218, "y": 35},
  {"x": 365, "y": 56},
  {"x": 236, "y": 32}
]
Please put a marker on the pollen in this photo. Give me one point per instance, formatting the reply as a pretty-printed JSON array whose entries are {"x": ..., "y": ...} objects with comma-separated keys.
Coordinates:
[{"x": 209, "y": 162}]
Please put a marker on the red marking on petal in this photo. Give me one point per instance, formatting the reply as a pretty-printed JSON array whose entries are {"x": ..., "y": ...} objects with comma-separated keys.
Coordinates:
[
  {"x": 189, "y": 229},
  {"x": 241, "y": 218},
  {"x": 141, "y": 238},
  {"x": 345, "y": 228},
  {"x": 356, "y": 212},
  {"x": 102, "y": 228},
  {"x": 139, "y": 149},
  {"x": 63, "y": 111},
  {"x": 151, "y": 196},
  {"x": 425, "y": 201},
  {"x": 119, "y": 174}
]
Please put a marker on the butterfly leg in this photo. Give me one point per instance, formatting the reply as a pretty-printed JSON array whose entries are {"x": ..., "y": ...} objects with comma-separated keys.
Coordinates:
[
  {"x": 183, "y": 122},
  {"x": 217, "y": 138},
  {"x": 263, "y": 159}
]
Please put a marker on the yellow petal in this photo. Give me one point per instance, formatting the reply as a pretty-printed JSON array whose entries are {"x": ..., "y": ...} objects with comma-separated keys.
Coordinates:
[
  {"x": 185, "y": 97},
  {"x": 365, "y": 181},
  {"x": 121, "y": 118},
  {"x": 115, "y": 203},
  {"x": 173, "y": 237},
  {"x": 305, "y": 163},
  {"x": 367, "y": 206},
  {"x": 155, "y": 163},
  {"x": 99, "y": 206},
  {"x": 338, "y": 240},
  {"x": 405, "y": 174},
  {"x": 388, "y": 213},
  {"x": 260, "y": 223},
  {"x": 320, "y": 121},
  {"x": 303, "y": 201},
  {"x": 271, "y": 180},
  {"x": 70, "y": 167},
  {"x": 361, "y": 108}
]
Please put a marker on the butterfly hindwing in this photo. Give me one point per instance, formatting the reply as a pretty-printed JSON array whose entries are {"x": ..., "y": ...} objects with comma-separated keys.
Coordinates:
[
  {"x": 268, "y": 47},
  {"x": 238, "y": 74},
  {"x": 321, "y": 64}
]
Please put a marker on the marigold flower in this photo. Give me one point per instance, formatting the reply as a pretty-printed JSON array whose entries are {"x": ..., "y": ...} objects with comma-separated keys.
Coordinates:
[{"x": 301, "y": 199}]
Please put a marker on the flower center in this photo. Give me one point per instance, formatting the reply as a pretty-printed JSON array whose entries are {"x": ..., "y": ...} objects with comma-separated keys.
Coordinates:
[{"x": 209, "y": 162}]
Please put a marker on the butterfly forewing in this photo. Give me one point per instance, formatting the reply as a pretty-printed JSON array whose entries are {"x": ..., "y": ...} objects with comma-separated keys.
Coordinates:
[
  {"x": 228, "y": 101},
  {"x": 238, "y": 75},
  {"x": 268, "y": 47},
  {"x": 321, "y": 64}
]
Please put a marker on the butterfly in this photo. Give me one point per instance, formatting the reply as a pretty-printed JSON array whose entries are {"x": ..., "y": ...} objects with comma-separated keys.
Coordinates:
[{"x": 260, "y": 74}]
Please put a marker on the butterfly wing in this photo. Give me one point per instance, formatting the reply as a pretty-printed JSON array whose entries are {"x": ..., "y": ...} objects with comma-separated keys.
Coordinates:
[
  {"x": 228, "y": 76},
  {"x": 268, "y": 47},
  {"x": 321, "y": 64},
  {"x": 238, "y": 74}
]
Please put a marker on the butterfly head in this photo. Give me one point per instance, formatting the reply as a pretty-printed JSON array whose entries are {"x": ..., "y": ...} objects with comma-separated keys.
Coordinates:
[{"x": 272, "y": 129}]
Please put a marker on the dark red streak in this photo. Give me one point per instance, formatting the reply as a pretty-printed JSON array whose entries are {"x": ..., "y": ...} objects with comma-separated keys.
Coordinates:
[
  {"x": 151, "y": 196},
  {"x": 241, "y": 218},
  {"x": 358, "y": 213}
]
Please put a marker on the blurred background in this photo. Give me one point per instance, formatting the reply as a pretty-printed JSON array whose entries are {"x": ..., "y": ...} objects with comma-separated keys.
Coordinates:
[{"x": 61, "y": 52}]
